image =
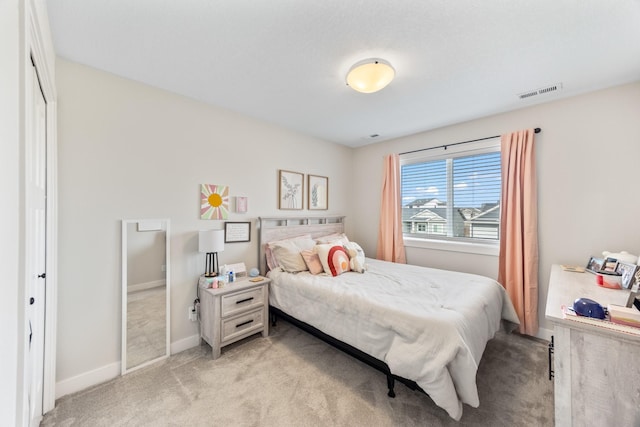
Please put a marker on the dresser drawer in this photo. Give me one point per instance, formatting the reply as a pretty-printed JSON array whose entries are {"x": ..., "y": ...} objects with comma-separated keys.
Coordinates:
[
  {"x": 239, "y": 326},
  {"x": 241, "y": 301}
]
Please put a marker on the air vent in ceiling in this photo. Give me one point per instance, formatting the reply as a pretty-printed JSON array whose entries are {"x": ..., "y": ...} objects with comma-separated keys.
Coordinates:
[
  {"x": 541, "y": 91},
  {"x": 371, "y": 137}
]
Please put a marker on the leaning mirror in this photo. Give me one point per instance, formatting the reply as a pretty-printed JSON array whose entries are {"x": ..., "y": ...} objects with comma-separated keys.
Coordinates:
[{"x": 145, "y": 292}]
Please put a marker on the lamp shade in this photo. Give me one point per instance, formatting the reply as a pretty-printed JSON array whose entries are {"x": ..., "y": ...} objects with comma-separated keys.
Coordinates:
[
  {"x": 211, "y": 241},
  {"x": 370, "y": 75}
]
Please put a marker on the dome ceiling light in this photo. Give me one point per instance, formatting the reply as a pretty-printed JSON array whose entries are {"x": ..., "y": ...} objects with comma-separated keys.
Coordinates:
[{"x": 370, "y": 75}]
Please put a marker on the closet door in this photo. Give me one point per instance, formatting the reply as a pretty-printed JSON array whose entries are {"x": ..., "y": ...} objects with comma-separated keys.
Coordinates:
[{"x": 35, "y": 232}]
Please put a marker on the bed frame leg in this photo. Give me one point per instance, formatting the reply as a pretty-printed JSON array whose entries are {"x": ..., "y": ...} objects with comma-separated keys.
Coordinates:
[
  {"x": 273, "y": 319},
  {"x": 390, "y": 384}
]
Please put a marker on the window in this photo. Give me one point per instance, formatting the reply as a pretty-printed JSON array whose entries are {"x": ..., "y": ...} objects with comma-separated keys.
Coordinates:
[{"x": 455, "y": 196}]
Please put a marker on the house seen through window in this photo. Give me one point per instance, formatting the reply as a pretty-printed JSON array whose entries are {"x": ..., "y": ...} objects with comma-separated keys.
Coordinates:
[{"x": 452, "y": 198}]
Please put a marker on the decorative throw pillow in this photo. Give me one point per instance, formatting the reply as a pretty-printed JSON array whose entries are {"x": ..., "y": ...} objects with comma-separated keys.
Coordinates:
[
  {"x": 356, "y": 257},
  {"x": 286, "y": 253},
  {"x": 272, "y": 263},
  {"x": 334, "y": 258},
  {"x": 313, "y": 261}
]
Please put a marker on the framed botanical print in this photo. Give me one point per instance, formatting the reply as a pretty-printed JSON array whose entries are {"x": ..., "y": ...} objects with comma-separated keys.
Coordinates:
[
  {"x": 318, "y": 189},
  {"x": 291, "y": 190}
]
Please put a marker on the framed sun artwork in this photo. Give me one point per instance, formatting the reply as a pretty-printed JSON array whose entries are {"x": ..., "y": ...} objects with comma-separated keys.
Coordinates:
[{"x": 214, "y": 201}]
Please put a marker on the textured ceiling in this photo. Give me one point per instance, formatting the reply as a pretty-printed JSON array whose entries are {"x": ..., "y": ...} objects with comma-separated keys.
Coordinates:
[{"x": 285, "y": 61}]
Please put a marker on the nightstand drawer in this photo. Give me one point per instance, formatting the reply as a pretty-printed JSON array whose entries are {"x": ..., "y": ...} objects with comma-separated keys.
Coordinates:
[
  {"x": 237, "y": 326},
  {"x": 242, "y": 301}
]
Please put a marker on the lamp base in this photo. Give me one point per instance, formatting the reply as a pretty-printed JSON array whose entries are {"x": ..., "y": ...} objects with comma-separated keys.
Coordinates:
[{"x": 212, "y": 265}]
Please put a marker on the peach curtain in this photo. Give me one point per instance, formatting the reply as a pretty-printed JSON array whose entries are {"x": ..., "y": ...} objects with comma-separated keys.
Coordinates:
[
  {"x": 390, "y": 243},
  {"x": 518, "y": 262}
]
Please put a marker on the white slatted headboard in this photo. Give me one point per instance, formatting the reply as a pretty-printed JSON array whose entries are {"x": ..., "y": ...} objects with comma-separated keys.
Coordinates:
[{"x": 278, "y": 228}]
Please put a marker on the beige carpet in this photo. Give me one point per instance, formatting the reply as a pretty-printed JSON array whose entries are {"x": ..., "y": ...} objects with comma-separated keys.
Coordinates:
[{"x": 294, "y": 379}]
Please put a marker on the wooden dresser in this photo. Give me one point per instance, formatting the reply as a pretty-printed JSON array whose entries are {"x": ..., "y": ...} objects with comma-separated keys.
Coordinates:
[
  {"x": 596, "y": 366},
  {"x": 234, "y": 312}
]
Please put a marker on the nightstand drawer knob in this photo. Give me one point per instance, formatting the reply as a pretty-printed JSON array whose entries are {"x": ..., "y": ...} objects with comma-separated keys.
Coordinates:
[
  {"x": 244, "y": 323},
  {"x": 244, "y": 300}
]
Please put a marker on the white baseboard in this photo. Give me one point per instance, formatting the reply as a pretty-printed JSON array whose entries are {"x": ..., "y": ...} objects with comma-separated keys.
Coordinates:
[
  {"x": 147, "y": 285},
  {"x": 87, "y": 379},
  {"x": 108, "y": 372},
  {"x": 185, "y": 344},
  {"x": 544, "y": 334}
]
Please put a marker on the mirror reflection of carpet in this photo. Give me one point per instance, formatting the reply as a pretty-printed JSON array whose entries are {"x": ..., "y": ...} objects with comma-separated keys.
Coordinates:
[{"x": 145, "y": 327}]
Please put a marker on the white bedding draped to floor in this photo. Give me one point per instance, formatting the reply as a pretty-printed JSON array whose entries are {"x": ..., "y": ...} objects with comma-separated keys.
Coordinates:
[{"x": 427, "y": 325}]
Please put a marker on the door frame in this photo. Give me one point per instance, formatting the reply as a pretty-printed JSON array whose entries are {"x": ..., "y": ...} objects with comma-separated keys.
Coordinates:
[{"x": 39, "y": 49}]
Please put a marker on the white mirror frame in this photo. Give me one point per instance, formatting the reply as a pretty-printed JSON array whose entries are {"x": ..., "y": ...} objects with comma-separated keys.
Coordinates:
[{"x": 165, "y": 225}]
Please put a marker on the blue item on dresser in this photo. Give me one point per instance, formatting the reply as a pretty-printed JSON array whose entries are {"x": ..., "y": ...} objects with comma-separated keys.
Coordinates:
[{"x": 588, "y": 308}]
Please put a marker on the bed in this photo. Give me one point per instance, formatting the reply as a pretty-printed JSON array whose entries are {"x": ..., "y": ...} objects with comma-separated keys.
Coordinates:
[{"x": 425, "y": 327}]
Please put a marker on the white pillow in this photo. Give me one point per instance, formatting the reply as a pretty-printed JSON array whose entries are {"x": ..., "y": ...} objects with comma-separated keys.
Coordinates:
[
  {"x": 286, "y": 253},
  {"x": 335, "y": 238}
]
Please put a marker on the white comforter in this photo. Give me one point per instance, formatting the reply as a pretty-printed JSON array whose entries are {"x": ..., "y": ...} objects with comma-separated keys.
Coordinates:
[{"x": 427, "y": 325}]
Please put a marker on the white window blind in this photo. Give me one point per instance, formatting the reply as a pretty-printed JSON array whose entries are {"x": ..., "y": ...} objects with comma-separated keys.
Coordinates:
[{"x": 452, "y": 198}]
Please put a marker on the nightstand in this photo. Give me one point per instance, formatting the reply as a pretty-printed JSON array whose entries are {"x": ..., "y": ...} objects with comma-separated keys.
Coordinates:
[{"x": 234, "y": 312}]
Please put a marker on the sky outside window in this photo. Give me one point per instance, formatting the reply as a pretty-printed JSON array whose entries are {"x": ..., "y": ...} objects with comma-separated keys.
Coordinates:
[{"x": 476, "y": 180}]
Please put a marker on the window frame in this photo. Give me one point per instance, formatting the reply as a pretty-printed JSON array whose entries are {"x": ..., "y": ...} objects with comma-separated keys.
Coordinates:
[{"x": 446, "y": 243}]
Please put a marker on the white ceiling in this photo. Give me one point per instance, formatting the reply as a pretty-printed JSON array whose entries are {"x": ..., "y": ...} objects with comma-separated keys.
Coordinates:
[{"x": 285, "y": 61}]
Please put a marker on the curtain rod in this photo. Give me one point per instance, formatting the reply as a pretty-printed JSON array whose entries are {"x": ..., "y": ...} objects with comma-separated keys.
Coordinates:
[{"x": 536, "y": 130}]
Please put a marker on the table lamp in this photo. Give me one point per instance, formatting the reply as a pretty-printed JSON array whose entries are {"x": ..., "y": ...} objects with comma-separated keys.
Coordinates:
[{"x": 211, "y": 242}]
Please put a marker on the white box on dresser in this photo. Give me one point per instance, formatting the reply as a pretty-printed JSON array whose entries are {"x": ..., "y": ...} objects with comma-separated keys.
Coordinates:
[
  {"x": 596, "y": 367},
  {"x": 234, "y": 312}
]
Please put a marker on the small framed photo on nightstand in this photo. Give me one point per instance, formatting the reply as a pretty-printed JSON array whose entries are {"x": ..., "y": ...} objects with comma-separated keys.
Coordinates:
[
  {"x": 595, "y": 264},
  {"x": 628, "y": 272},
  {"x": 610, "y": 265}
]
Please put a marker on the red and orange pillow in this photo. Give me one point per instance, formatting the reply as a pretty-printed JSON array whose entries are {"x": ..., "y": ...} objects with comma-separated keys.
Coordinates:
[{"x": 334, "y": 258}]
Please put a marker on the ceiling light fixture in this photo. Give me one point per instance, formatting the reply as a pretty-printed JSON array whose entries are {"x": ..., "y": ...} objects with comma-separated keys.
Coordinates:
[{"x": 370, "y": 75}]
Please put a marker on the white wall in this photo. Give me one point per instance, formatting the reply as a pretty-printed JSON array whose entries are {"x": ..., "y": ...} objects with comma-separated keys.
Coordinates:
[
  {"x": 127, "y": 150},
  {"x": 587, "y": 165}
]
